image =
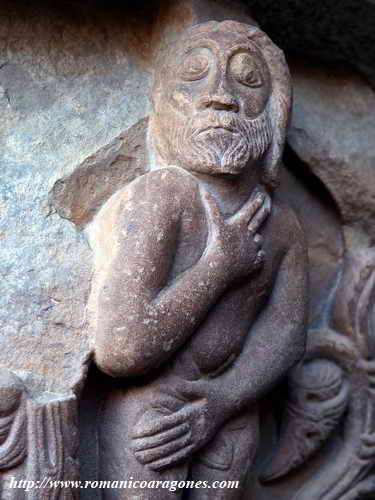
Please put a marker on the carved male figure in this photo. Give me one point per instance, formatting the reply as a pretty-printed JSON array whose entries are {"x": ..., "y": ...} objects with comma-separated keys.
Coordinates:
[{"x": 200, "y": 288}]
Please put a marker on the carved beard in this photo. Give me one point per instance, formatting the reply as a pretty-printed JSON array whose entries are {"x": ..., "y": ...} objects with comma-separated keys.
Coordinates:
[{"x": 216, "y": 142}]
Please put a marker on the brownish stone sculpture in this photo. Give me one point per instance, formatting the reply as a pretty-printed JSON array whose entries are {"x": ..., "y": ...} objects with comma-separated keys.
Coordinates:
[
  {"x": 199, "y": 296},
  {"x": 29, "y": 420},
  {"x": 13, "y": 432}
]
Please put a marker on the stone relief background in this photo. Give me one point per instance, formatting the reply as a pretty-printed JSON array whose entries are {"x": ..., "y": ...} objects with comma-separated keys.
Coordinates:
[
  {"x": 67, "y": 74},
  {"x": 74, "y": 79}
]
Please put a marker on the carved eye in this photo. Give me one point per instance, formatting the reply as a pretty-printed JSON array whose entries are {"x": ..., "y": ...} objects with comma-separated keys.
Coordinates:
[
  {"x": 245, "y": 71},
  {"x": 194, "y": 67}
]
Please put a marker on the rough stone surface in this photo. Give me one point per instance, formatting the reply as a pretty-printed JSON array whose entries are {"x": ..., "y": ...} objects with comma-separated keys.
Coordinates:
[
  {"x": 333, "y": 133},
  {"x": 74, "y": 80},
  {"x": 325, "y": 446},
  {"x": 80, "y": 195},
  {"x": 192, "y": 276},
  {"x": 328, "y": 31},
  {"x": 70, "y": 82},
  {"x": 322, "y": 225}
]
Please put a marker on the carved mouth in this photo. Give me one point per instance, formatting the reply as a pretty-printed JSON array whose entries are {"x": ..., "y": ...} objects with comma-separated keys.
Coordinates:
[{"x": 219, "y": 128}]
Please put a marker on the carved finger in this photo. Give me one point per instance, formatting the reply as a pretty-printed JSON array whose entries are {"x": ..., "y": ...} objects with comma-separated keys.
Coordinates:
[
  {"x": 368, "y": 440},
  {"x": 249, "y": 209},
  {"x": 367, "y": 449},
  {"x": 159, "y": 425},
  {"x": 261, "y": 215},
  {"x": 369, "y": 420},
  {"x": 258, "y": 239},
  {"x": 167, "y": 462},
  {"x": 140, "y": 444},
  {"x": 259, "y": 258},
  {"x": 164, "y": 451}
]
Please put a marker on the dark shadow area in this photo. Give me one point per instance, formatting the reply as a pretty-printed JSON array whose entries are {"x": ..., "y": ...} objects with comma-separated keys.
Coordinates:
[
  {"x": 92, "y": 397},
  {"x": 301, "y": 172},
  {"x": 329, "y": 31},
  {"x": 319, "y": 217}
]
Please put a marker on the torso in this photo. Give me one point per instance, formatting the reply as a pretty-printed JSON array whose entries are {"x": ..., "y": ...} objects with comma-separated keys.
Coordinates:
[{"x": 220, "y": 338}]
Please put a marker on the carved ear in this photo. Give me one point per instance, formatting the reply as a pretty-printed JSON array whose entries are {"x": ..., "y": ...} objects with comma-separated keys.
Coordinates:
[{"x": 279, "y": 106}]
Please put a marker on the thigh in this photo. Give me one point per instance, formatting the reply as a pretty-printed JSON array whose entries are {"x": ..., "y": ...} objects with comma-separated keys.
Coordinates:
[
  {"x": 227, "y": 458},
  {"x": 121, "y": 411}
]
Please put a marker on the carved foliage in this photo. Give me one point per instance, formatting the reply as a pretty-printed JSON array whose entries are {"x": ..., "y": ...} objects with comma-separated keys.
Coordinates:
[
  {"x": 13, "y": 442},
  {"x": 338, "y": 374},
  {"x": 318, "y": 398},
  {"x": 38, "y": 440},
  {"x": 53, "y": 441}
]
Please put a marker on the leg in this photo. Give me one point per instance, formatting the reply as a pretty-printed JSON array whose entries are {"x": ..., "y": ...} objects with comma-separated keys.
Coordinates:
[
  {"x": 227, "y": 458},
  {"x": 122, "y": 409}
]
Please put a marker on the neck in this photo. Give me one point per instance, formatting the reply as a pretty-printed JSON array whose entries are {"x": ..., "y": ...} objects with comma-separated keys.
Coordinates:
[{"x": 231, "y": 191}]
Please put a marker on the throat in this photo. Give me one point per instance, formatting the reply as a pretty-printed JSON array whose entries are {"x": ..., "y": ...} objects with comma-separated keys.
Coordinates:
[{"x": 229, "y": 191}]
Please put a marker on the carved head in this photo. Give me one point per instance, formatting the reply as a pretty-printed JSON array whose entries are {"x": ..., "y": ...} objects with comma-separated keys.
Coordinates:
[{"x": 221, "y": 101}]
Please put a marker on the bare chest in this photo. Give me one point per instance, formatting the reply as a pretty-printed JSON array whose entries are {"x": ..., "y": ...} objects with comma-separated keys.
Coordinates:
[{"x": 220, "y": 337}]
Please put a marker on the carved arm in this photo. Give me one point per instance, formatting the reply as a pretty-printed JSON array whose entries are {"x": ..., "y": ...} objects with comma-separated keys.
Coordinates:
[
  {"x": 276, "y": 341},
  {"x": 142, "y": 319},
  {"x": 274, "y": 344}
]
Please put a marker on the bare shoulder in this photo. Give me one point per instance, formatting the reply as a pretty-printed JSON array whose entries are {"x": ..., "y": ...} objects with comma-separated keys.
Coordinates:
[
  {"x": 164, "y": 190},
  {"x": 156, "y": 198},
  {"x": 285, "y": 223}
]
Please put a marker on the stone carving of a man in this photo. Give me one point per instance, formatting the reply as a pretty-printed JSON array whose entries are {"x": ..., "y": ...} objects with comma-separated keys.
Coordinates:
[{"x": 200, "y": 312}]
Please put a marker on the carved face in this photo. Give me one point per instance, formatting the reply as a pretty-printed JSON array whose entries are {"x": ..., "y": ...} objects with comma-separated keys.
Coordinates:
[{"x": 210, "y": 104}]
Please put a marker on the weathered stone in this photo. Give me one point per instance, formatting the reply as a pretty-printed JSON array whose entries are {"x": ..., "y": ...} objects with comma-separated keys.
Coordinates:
[
  {"x": 326, "y": 445},
  {"x": 74, "y": 80},
  {"x": 30, "y": 417},
  {"x": 66, "y": 80},
  {"x": 66, "y": 77},
  {"x": 186, "y": 290},
  {"x": 322, "y": 225},
  {"x": 328, "y": 31},
  {"x": 340, "y": 151},
  {"x": 78, "y": 196}
]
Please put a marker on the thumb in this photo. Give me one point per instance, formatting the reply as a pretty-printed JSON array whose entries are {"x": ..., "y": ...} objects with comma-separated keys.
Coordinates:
[
  {"x": 249, "y": 208},
  {"x": 191, "y": 389}
]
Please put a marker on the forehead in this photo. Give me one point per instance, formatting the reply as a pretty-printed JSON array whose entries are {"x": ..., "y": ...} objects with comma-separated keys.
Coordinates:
[{"x": 220, "y": 42}]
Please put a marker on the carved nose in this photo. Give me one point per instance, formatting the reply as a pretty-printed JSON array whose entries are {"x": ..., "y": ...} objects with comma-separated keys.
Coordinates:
[{"x": 220, "y": 102}]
